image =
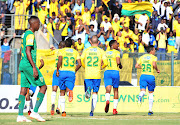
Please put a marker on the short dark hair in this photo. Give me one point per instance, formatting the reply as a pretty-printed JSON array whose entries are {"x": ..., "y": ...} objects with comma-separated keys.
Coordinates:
[
  {"x": 112, "y": 42},
  {"x": 53, "y": 14},
  {"x": 33, "y": 18},
  {"x": 150, "y": 48},
  {"x": 68, "y": 42},
  {"x": 79, "y": 39}
]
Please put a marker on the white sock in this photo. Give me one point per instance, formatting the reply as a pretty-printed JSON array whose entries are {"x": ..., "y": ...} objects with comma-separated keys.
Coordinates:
[
  {"x": 62, "y": 102},
  {"x": 141, "y": 94},
  {"x": 94, "y": 101},
  {"x": 53, "y": 97},
  {"x": 150, "y": 101},
  {"x": 115, "y": 103},
  {"x": 28, "y": 105},
  {"x": 107, "y": 96}
]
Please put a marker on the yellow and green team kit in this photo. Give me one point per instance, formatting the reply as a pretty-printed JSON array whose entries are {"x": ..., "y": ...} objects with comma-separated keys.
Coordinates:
[
  {"x": 28, "y": 39},
  {"x": 146, "y": 63},
  {"x": 69, "y": 59},
  {"x": 91, "y": 60},
  {"x": 111, "y": 57}
]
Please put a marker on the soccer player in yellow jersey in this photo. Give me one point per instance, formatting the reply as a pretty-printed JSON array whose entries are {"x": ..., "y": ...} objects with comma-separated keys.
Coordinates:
[
  {"x": 147, "y": 63},
  {"x": 111, "y": 74},
  {"x": 55, "y": 81},
  {"x": 92, "y": 59},
  {"x": 67, "y": 62}
]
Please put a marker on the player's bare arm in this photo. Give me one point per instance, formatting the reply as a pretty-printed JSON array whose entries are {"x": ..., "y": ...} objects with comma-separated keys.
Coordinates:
[
  {"x": 59, "y": 64},
  {"x": 137, "y": 66},
  {"x": 28, "y": 53},
  {"x": 119, "y": 62},
  {"x": 79, "y": 65},
  {"x": 155, "y": 67},
  {"x": 42, "y": 63}
]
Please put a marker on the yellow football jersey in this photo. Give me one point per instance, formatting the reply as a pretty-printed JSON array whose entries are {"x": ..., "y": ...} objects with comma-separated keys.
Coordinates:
[
  {"x": 146, "y": 62},
  {"x": 91, "y": 59},
  {"x": 69, "y": 57},
  {"x": 111, "y": 57}
]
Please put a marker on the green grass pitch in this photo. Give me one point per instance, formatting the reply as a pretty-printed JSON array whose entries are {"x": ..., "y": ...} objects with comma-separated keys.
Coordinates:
[{"x": 98, "y": 119}]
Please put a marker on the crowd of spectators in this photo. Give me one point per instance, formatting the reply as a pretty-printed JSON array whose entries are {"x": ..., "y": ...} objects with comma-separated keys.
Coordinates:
[{"x": 81, "y": 19}]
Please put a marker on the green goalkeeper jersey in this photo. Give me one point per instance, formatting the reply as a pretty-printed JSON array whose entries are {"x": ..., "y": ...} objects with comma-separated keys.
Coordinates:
[{"x": 28, "y": 39}]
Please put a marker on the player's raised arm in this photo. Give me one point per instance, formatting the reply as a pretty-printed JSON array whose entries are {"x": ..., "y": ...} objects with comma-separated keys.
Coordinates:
[{"x": 28, "y": 53}]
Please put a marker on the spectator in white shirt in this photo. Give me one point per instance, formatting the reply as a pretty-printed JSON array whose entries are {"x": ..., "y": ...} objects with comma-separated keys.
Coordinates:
[
  {"x": 166, "y": 12},
  {"x": 162, "y": 24},
  {"x": 142, "y": 22},
  {"x": 94, "y": 22},
  {"x": 106, "y": 24},
  {"x": 156, "y": 5}
]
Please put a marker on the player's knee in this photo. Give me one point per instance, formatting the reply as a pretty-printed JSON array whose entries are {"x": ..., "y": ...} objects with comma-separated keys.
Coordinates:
[{"x": 23, "y": 91}]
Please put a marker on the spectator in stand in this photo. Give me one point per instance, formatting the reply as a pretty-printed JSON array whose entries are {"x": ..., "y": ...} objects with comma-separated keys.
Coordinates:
[
  {"x": 102, "y": 35},
  {"x": 127, "y": 33},
  {"x": 124, "y": 20},
  {"x": 79, "y": 46},
  {"x": 152, "y": 39},
  {"x": 116, "y": 24},
  {"x": 161, "y": 44},
  {"x": 141, "y": 45},
  {"x": 20, "y": 19},
  {"x": 133, "y": 46},
  {"x": 136, "y": 35},
  {"x": 171, "y": 43},
  {"x": 50, "y": 28},
  {"x": 106, "y": 24},
  {"x": 116, "y": 8},
  {"x": 119, "y": 39},
  {"x": 94, "y": 23},
  {"x": 155, "y": 20},
  {"x": 142, "y": 22},
  {"x": 156, "y": 6},
  {"x": 177, "y": 31},
  {"x": 77, "y": 17},
  {"x": 162, "y": 25},
  {"x": 98, "y": 16},
  {"x": 166, "y": 12},
  {"x": 86, "y": 14},
  {"x": 2, "y": 8},
  {"x": 175, "y": 21},
  {"x": 5, "y": 45},
  {"x": 53, "y": 7},
  {"x": 91, "y": 31},
  {"x": 65, "y": 31},
  {"x": 42, "y": 13},
  {"x": 77, "y": 6},
  {"x": 57, "y": 35}
]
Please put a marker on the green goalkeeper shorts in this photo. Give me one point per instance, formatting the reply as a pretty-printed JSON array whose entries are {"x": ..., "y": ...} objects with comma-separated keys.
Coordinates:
[{"x": 27, "y": 78}]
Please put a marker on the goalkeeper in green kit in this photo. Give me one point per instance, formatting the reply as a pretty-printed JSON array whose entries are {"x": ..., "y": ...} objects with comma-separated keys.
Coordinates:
[{"x": 30, "y": 74}]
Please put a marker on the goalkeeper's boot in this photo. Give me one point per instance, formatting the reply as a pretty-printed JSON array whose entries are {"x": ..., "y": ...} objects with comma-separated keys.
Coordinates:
[
  {"x": 29, "y": 112},
  {"x": 107, "y": 106},
  {"x": 91, "y": 113},
  {"x": 88, "y": 93},
  {"x": 70, "y": 96},
  {"x": 115, "y": 112},
  {"x": 64, "y": 114},
  {"x": 36, "y": 116},
  {"x": 58, "y": 111},
  {"x": 22, "y": 119},
  {"x": 150, "y": 113},
  {"x": 52, "y": 109}
]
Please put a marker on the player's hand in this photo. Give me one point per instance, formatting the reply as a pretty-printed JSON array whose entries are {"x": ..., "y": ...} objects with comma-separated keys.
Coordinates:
[
  {"x": 57, "y": 73},
  {"x": 158, "y": 71},
  {"x": 35, "y": 73}
]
